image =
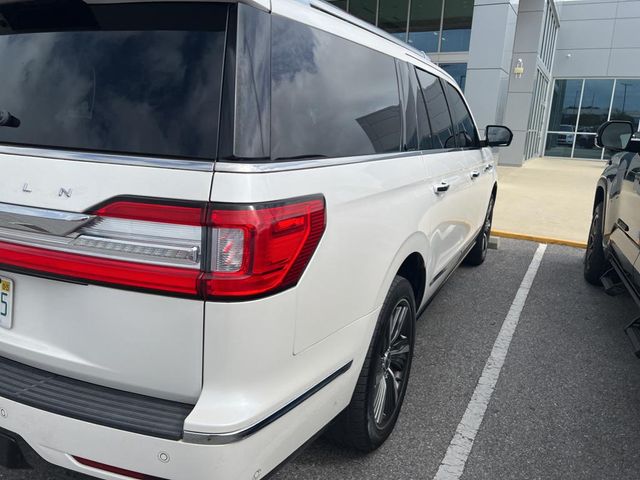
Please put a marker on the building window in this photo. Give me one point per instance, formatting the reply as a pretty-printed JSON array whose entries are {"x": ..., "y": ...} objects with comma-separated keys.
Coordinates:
[
  {"x": 626, "y": 101},
  {"x": 364, "y": 9},
  {"x": 458, "y": 71},
  {"x": 424, "y": 24},
  {"x": 456, "y": 25},
  {"x": 580, "y": 106},
  {"x": 432, "y": 26},
  {"x": 392, "y": 17}
]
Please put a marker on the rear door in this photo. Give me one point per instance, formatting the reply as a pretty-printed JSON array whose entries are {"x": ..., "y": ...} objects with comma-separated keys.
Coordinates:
[
  {"x": 477, "y": 169},
  {"x": 110, "y": 128},
  {"x": 448, "y": 178}
]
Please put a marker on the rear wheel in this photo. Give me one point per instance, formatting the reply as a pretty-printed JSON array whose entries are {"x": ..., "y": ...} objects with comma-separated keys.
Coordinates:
[
  {"x": 595, "y": 262},
  {"x": 478, "y": 253},
  {"x": 370, "y": 417}
]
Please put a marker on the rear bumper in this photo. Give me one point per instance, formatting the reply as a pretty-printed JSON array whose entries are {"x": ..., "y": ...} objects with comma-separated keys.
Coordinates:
[{"x": 57, "y": 439}]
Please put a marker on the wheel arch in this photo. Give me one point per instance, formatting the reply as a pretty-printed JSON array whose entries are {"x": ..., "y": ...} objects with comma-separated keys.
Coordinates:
[{"x": 410, "y": 262}]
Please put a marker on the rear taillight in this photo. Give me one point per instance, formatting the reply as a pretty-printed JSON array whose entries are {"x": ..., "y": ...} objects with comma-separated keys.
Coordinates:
[
  {"x": 194, "y": 250},
  {"x": 263, "y": 248}
]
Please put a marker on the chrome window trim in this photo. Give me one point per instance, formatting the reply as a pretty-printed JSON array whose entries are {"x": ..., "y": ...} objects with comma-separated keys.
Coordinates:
[
  {"x": 235, "y": 166},
  {"x": 113, "y": 159},
  {"x": 201, "y": 438}
]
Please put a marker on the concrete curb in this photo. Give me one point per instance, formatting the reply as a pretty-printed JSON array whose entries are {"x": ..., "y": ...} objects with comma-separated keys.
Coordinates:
[{"x": 539, "y": 239}]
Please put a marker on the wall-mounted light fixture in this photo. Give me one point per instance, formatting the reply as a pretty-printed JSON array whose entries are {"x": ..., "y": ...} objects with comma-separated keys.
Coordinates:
[{"x": 518, "y": 70}]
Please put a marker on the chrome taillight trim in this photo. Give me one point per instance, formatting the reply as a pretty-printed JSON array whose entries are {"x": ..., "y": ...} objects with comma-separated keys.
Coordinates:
[
  {"x": 41, "y": 220},
  {"x": 73, "y": 233}
]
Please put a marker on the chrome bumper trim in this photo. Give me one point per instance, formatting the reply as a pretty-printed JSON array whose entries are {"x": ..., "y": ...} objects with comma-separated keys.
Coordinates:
[{"x": 231, "y": 437}]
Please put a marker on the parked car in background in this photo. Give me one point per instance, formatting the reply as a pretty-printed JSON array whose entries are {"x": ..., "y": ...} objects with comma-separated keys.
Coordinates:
[
  {"x": 612, "y": 258},
  {"x": 218, "y": 225},
  {"x": 566, "y": 138}
]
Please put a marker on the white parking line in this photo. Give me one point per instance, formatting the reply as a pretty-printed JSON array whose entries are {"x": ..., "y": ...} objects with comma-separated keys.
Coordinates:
[{"x": 452, "y": 466}]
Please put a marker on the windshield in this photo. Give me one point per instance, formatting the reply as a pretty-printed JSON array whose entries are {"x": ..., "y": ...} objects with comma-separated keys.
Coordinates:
[{"x": 129, "y": 78}]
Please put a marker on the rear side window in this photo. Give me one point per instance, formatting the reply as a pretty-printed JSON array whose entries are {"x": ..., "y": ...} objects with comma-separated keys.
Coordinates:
[
  {"x": 330, "y": 97},
  {"x": 465, "y": 128},
  {"x": 127, "y": 78},
  {"x": 438, "y": 111}
]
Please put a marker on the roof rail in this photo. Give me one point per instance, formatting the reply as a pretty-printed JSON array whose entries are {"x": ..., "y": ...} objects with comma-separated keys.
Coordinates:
[{"x": 339, "y": 13}]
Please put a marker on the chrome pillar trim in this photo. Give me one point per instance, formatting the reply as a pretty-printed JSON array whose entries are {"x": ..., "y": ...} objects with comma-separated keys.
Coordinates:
[
  {"x": 284, "y": 166},
  {"x": 114, "y": 159},
  {"x": 232, "y": 437},
  {"x": 40, "y": 220}
]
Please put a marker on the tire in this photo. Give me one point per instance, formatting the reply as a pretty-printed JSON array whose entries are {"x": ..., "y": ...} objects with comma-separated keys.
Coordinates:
[
  {"x": 478, "y": 253},
  {"x": 595, "y": 260},
  {"x": 376, "y": 402}
]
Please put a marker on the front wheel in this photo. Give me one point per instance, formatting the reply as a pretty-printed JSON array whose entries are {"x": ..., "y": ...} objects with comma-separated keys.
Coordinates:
[
  {"x": 478, "y": 253},
  {"x": 370, "y": 417},
  {"x": 595, "y": 261}
]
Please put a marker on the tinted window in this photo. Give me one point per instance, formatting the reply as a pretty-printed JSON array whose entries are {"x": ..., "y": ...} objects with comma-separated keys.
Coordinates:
[
  {"x": 245, "y": 131},
  {"x": 330, "y": 97},
  {"x": 438, "y": 110},
  {"x": 410, "y": 93},
  {"x": 464, "y": 126},
  {"x": 137, "y": 78}
]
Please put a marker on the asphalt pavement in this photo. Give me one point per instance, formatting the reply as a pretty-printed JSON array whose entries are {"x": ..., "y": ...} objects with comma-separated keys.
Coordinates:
[{"x": 566, "y": 404}]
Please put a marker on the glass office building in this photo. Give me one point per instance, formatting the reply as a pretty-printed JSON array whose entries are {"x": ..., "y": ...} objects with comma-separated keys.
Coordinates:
[
  {"x": 528, "y": 64},
  {"x": 438, "y": 27}
]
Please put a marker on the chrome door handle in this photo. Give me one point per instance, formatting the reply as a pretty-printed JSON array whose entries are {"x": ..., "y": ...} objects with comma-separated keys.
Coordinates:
[
  {"x": 441, "y": 188},
  {"x": 475, "y": 174},
  {"x": 488, "y": 168}
]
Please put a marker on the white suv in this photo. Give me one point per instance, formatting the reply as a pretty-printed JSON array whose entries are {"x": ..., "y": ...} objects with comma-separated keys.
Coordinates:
[{"x": 218, "y": 224}]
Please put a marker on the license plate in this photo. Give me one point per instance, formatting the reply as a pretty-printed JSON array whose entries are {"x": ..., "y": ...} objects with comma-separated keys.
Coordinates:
[{"x": 6, "y": 302}]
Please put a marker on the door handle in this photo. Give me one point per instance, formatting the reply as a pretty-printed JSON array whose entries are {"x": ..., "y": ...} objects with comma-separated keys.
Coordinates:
[
  {"x": 488, "y": 168},
  {"x": 441, "y": 188},
  {"x": 475, "y": 174}
]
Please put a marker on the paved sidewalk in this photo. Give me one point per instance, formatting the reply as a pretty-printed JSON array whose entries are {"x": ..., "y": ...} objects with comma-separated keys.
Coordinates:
[{"x": 547, "y": 197}]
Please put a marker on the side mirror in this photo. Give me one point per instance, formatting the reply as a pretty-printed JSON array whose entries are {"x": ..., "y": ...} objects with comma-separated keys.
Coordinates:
[
  {"x": 615, "y": 135},
  {"x": 498, "y": 136}
]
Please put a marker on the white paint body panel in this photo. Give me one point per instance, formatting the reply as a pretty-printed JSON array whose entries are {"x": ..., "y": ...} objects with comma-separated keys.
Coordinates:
[
  {"x": 239, "y": 362},
  {"x": 148, "y": 344}
]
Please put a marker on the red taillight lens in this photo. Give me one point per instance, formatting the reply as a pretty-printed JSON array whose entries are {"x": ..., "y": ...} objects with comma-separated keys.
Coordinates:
[
  {"x": 250, "y": 250},
  {"x": 116, "y": 470},
  {"x": 269, "y": 246}
]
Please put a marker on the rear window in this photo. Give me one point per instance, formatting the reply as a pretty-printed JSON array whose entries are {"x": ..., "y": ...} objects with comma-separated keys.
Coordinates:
[{"x": 128, "y": 78}]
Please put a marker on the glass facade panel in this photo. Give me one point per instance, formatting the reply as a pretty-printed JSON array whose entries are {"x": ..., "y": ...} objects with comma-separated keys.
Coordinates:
[
  {"x": 428, "y": 21},
  {"x": 596, "y": 100},
  {"x": 458, "y": 71},
  {"x": 424, "y": 24},
  {"x": 456, "y": 25},
  {"x": 559, "y": 144},
  {"x": 565, "y": 105},
  {"x": 364, "y": 9},
  {"x": 392, "y": 17},
  {"x": 626, "y": 101},
  {"x": 586, "y": 147},
  {"x": 339, "y": 3}
]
